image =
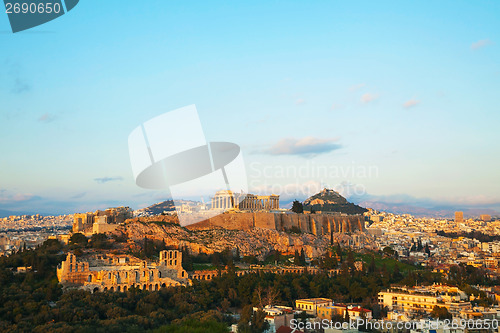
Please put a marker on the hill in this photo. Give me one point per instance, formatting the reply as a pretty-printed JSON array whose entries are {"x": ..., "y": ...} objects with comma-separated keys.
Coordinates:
[
  {"x": 164, "y": 206},
  {"x": 331, "y": 201},
  {"x": 158, "y": 208},
  {"x": 250, "y": 241},
  {"x": 7, "y": 213}
]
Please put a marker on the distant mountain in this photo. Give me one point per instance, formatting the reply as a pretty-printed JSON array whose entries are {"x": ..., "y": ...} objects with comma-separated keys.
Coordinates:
[
  {"x": 7, "y": 213},
  {"x": 165, "y": 206},
  {"x": 331, "y": 201},
  {"x": 434, "y": 211},
  {"x": 158, "y": 208}
]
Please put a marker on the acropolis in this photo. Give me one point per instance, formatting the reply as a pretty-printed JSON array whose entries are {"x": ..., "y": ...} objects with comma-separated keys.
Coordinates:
[{"x": 229, "y": 200}]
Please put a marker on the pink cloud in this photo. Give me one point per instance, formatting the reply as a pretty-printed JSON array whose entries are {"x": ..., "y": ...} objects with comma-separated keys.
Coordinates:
[
  {"x": 411, "y": 103},
  {"x": 368, "y": 97},
  {"x": 357, "y": 86},
  {"x": 481, "y": 43},
  {"x": 335, "y": 107},
  {"x": 17, "y": 197}
]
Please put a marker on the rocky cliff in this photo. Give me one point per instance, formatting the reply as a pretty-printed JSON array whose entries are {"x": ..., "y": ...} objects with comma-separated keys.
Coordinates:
[
  {"x": 252, "y": 233},
  {"x": 316, "y": 224},
  {"x": 249, "y": 241}
]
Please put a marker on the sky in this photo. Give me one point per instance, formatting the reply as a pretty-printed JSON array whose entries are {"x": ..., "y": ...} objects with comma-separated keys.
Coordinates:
[{"x": 390, "y": 103}]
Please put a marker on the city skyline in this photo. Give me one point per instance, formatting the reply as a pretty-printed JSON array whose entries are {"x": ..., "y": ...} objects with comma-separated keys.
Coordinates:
[{"x": 396, "y": 101}]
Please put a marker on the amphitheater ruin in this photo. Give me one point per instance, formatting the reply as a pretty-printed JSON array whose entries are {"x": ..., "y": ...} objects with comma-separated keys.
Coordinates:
[{"x": 122, "y": 272}]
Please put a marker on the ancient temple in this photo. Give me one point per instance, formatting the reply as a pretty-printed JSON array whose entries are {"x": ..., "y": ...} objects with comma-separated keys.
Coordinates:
[{"x": 228, "y": 200}]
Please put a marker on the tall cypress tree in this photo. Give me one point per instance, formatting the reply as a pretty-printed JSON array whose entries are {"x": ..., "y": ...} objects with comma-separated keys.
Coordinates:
[
  {"x": 296, "y": 259},
  {"x": 302, "y": 257}
]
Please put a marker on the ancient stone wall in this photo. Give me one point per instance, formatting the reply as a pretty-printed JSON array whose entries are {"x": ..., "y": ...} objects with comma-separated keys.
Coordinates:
[
  {"x": 100, "y": 228},
  {"x": 116, "y": 277},
  {"x": 317, "y": 224},
  {"x": 231, "y": 221},
  {"x": 84, "y": 222},
  {"x": 264, "y": 220},
  {"x": 71, "y": 271}
]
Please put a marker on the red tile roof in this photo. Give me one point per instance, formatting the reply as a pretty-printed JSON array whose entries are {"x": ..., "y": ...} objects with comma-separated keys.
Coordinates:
[{"x": 284, "y": 329}]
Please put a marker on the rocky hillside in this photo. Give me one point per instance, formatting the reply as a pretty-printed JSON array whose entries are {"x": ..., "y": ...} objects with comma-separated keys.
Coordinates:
[
  {"x": 331, "y": 201},
  {"x": 158, "y": 208},
  {"x": 255, "y": 241},
  {"x": 164, "y": 206}
]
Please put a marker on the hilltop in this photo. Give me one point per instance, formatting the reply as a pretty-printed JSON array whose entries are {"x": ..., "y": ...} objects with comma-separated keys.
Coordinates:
[
  {"x": 164, "y": 206},
  {"x": 329, "y": 200}
]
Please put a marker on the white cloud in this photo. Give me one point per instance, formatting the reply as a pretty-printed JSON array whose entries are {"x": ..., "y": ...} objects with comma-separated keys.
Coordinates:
[
  {"x": 103, "y": 180},
  {"x": 46, "y": 117},
  {"x": 300, "y": 101},
  {"x": 411, "y": 103},
  {"x": 368, "y": 97},
  {"x": 357, "y": 86},
  {"x": 335, "y": 107},
  {"x": 481, "y": 43},
  {"x": 304, "y": 146},
  {"x": 7, "y": 197}
]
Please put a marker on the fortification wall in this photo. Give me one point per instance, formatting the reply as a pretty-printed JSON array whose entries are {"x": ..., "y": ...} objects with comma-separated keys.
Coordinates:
[
  {"x": 264, "y": 220},
  {"x": 241, "y": 221},
  {"x": 317, "y": 224}
]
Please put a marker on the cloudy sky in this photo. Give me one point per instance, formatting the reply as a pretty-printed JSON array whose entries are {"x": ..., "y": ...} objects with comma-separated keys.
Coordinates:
[{"x": 387, "y": 102}]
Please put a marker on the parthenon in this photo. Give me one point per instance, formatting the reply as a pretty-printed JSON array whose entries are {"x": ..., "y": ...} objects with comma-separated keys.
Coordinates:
[{"x": 228, "y": 200}]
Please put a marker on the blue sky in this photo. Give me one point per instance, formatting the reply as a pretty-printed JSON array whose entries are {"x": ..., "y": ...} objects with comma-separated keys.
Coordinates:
[{"x": 399, "y": 101}]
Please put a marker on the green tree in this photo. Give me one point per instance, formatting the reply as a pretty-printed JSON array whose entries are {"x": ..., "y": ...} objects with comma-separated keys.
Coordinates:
[
  {"x": 441, "y": 313},
  {"x": 78, "y": 239},
  {"x": 338, "y": 250},
  {"x": 297, "y": 207},
  {"x": 51, "y": 246},
  {"x": 296, "y": 258},
  {"x": 100, "y": 241},
  {"x": 372, "y": 267},
  {"x": 259, "y": 323},
  {"x": 302, "y": 257},
  {"x": 396, "y": 274},
  {"x": 245, "y": 319},
  {"x": 187, "y": 260},
  {"x": 328, "y": 262},
  {"x": 388, "y": 251},
  {"x": 277, "y": 256},
  {"x": 350, "y": 262}
]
